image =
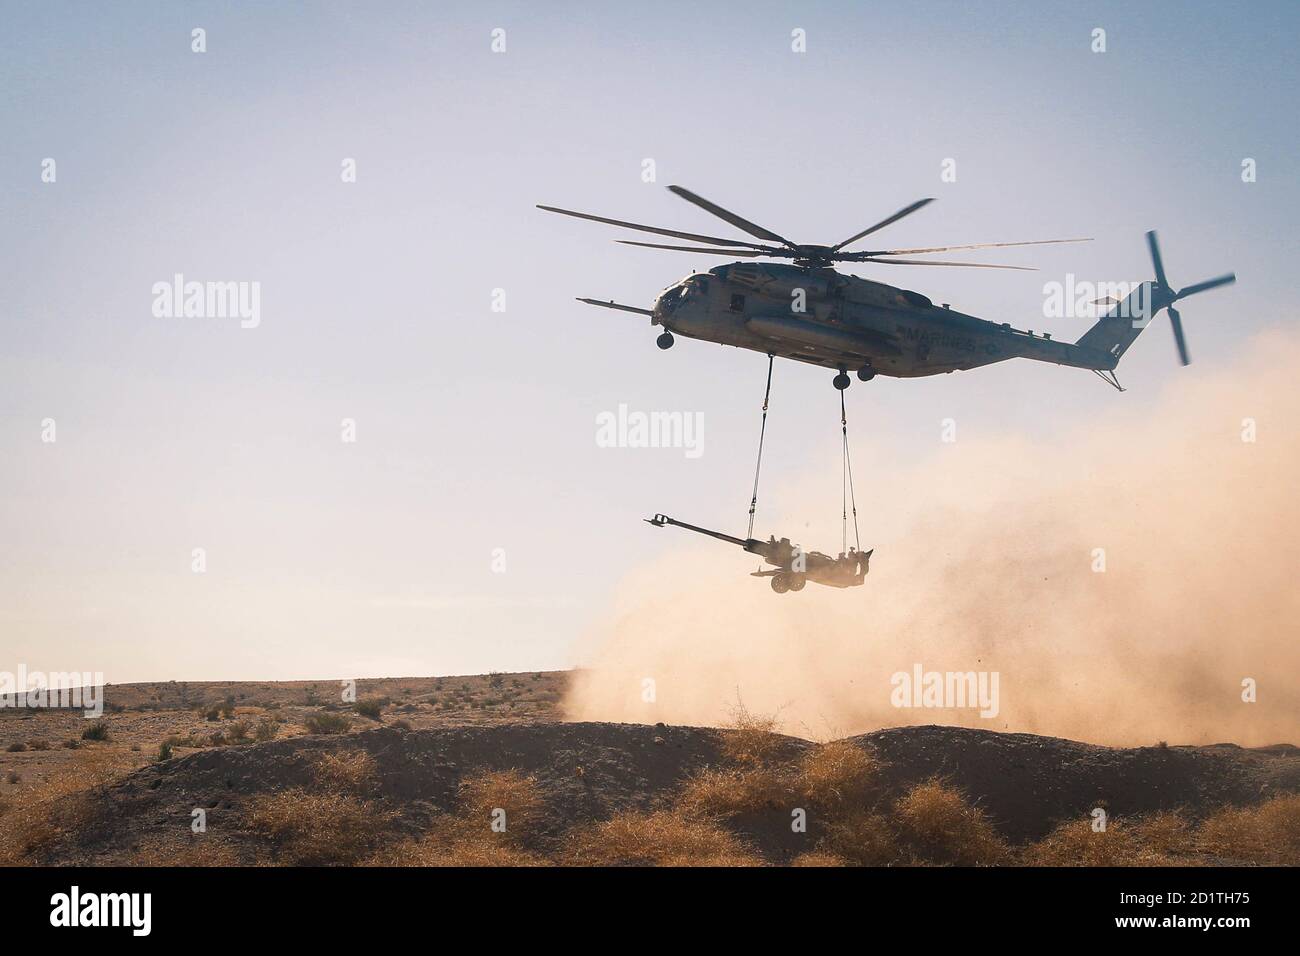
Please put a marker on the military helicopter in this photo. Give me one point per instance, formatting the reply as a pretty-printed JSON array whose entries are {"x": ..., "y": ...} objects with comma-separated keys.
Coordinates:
[{"x": 808, "y": 312}]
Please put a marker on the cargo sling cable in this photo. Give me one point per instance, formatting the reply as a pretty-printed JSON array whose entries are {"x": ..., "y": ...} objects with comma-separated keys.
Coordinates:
[
  {"x": 847, "y": 496},
  {"x": 762, "y": 431}
]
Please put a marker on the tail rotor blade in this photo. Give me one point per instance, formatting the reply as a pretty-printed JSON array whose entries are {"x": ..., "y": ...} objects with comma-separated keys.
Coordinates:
[
  {"x": 1230, "y": 278},
  {"x": 1155, "y": 258},
  {"x": 1176, "y": 322}
]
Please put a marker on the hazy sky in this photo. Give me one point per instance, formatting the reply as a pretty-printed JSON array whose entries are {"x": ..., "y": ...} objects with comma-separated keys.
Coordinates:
[{"x": 475, "y": 429}]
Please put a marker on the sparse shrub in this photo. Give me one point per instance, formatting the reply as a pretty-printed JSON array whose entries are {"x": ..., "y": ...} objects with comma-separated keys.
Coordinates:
[
  {"x": 218, "y": 739},
  {"x": 266, "y": 729},
  {"x": 937, "y": 825},
  {"x": 212, "y": 713},
  {"x": 71, "y": 744},
  {"x": 228, "y": 707},
  {"x": 16, "y": 748},
  {"x": 164, "y": 751},
  {"x": 237, "y": 732},
  {"x": 495, "y": 679},
  {"x": 38, "y": 745},
  {"x": 326, "y": 723},
  {"x": 98, "y": 730},
  {"x": 372, "y": 707},
  {"x": 14, "y": 777},
  {"x": 403, "y": 725}
]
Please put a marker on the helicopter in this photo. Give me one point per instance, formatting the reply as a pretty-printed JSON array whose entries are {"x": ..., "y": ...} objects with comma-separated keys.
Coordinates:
[{"x": 809, "y": 312}]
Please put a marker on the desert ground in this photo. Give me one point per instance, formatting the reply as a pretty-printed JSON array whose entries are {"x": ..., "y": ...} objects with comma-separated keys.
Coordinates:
[{"x": 485, "y": 770}]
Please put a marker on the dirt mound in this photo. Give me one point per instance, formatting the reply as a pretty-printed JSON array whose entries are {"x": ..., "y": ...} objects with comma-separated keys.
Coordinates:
[
  {"x": 1026, "y": 783},
  {"x": 587, "y": 772}
]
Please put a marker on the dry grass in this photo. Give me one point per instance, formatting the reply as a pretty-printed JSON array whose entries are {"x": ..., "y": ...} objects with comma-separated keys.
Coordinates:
[
  {"x": 318, "y": 828},
  {"x": 818, "y": 858},
  {"x": 1268, "y": 833},
  {"x": 749, "y": 739},
  {"x": 452, "y": 841},
  {"x": 1077, "y": 844},
  {"x": 730, "y": 792},
  {"x": 355, "y": 772},
  {"x": 659, "y": 838},
  {"x": 936, "y": 824},
  {"x": 478, "y": 835},
  {"x": 509, "y": 790},
  {"x": 838, "y": 774},
  {"x": 864, "y": 837},
  {"x": 197, "y": 850},
  {"x": 36, "y": 818}
]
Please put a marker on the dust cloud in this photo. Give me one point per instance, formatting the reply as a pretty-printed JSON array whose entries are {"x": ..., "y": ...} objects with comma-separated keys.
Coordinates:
[{"x": 984, "y": 562}]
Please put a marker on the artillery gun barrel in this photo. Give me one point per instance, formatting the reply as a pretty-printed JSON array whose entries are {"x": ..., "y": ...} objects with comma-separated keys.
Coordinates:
[{"x": 749, "y": 544}]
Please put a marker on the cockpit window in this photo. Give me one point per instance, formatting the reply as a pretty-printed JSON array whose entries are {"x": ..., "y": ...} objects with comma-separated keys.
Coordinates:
[{"x": 668, "y": 301}]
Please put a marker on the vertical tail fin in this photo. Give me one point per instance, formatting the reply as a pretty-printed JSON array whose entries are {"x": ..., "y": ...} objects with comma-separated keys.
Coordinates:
[{"x": 1121, "y": 326}]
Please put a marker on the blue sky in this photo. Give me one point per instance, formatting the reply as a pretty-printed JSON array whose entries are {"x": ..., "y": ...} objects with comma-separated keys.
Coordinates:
[{"x": 475, "y": 428}]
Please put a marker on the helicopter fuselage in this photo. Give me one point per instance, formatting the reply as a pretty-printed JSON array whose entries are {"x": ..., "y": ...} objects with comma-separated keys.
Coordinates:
[{"x": 838, "y": 321}]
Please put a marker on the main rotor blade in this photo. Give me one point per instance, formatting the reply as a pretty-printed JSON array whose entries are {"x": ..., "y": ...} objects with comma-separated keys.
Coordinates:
[
  {"x": 978, "y": 245},
  {"x": 655, "y": 229},
  {"x": 744, "y": 253},
  {"x": 1230, "y": 278},
  {"x": 926, "y": 262},
  {"x": 744, "y": 225},
  {"x": 885, "y": 222},
  {"x": 1155, "y": 258},
  {"x": 1176, "y": 323}
]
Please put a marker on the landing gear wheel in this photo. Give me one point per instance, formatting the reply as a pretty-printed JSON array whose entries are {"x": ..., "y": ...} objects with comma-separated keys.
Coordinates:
[
  {"x": 797, "y": 581},
  {"x": 841, "y": 381},
  {"x": 866, "y": 373},
  {"x": 665, "y": 340},
  {"x": 780, "y": 583}
]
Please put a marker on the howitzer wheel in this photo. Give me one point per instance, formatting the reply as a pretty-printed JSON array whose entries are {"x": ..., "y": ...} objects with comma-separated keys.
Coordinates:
[
  {"x": 797, "y": 581},
  {"x": 780, "y": 583},
  {"x": 665, "y": 340}
]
